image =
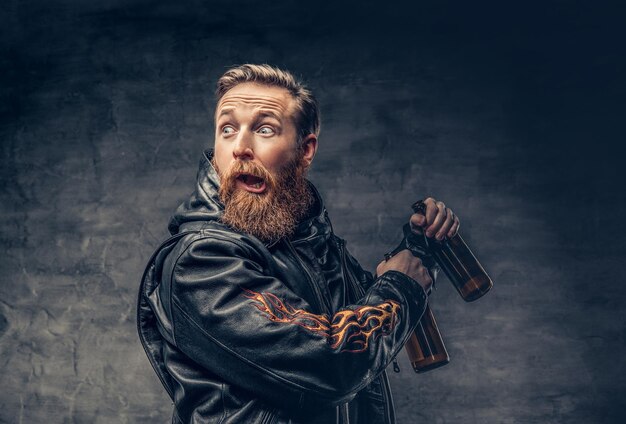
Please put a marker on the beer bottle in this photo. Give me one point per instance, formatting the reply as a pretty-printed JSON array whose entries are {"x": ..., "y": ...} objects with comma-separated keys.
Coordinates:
[
  {"x": 425, "y": 347},
  {"x": 458, "y": 262}
]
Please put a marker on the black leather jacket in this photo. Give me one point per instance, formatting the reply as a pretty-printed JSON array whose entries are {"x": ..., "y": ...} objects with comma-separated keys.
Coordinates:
[{"x": 239, "y": 331}]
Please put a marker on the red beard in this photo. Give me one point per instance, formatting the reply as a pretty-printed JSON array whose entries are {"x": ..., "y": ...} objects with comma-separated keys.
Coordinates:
[{"x": 275, "y": 212}]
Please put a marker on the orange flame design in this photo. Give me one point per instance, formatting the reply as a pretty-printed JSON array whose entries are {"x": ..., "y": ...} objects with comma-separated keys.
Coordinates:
[{"x": 348, "y": 330}]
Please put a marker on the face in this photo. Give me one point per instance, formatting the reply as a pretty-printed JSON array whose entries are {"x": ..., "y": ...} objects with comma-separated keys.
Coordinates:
[
  {"x": 261, "y": 169},
  {"x": 255, "y": 123}
]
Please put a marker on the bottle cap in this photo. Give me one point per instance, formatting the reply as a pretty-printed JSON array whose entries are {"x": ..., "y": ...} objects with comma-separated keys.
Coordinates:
[{"x": 419, "y": 207}]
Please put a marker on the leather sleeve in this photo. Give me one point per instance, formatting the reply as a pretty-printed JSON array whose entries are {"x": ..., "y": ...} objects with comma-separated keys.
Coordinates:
[{"x": 247, "y": 327}]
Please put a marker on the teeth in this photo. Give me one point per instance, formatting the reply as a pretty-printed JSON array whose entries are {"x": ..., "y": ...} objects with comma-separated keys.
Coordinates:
[{"x": 247, "y": 179}]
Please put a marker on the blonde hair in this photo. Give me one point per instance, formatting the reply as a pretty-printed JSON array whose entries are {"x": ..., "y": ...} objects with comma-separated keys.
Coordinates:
[{"x": 307, "y": 117}]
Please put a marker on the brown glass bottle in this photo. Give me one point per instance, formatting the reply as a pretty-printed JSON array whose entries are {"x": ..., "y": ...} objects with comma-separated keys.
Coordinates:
[
  {"x": 458, "y": 263},
  {"x": 425, "y": 347}
]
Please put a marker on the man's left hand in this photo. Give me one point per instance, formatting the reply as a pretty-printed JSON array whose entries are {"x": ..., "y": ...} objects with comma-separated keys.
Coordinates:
[{"x": 439, "y": 222}]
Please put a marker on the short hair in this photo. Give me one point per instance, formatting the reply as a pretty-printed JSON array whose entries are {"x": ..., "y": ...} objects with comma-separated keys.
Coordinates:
[{"x": 307, "y": 116}]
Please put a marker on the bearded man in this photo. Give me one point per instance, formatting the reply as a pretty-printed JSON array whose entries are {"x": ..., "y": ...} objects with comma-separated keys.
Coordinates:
[{"x": 254, "y": 311}]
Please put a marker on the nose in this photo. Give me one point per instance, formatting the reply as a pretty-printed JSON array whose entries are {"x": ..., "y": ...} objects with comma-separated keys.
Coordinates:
[{"x": 243, "y": 146}]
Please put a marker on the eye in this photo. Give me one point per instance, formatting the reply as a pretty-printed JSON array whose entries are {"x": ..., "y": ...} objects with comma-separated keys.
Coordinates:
[
  {"x": 227, "y": 130},
  {"x": 266, "y": 130}
]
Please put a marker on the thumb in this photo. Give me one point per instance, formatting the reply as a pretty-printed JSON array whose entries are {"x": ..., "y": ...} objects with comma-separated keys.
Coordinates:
[{"x": 417, "y": 220}]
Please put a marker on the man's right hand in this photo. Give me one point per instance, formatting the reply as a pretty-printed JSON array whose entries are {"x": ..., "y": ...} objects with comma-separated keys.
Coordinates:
[{"x": 406, "y": 263}]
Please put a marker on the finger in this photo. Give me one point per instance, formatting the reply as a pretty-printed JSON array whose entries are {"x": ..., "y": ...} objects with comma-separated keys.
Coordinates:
[
  {"x": 417, "y": 220},
  {"x": 445, "y": 227},
  {"x": 407, "y": 255},
  {"x": 380, "y": 268},
  {"x": 431, "y": 210},
  {"x": 455, "y": 228},
  {"x": 404, "y": 255},
  {"x": 432, "y": 229},
  {"x": 423, "y": 271},
  {"x": 424, "y": 278}
]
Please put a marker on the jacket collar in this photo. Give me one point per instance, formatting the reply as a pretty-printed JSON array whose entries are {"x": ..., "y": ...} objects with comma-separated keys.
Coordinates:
[{"x": 204, "y": 205}]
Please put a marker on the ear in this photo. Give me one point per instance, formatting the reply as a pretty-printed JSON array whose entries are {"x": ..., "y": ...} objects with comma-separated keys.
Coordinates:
[{"x": 309, "y": 148}]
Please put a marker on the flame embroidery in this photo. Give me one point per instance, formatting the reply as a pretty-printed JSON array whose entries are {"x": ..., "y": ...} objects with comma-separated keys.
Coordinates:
[{"x": 349, "y": 330}]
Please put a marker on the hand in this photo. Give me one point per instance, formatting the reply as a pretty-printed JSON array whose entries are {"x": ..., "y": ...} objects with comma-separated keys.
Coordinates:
[
  {"x": 439, "y": 221},
  {"x": 406, "y": 263}
]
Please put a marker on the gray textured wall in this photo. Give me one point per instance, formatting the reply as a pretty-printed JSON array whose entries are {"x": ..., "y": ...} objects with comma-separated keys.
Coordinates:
[{"x": 512, "y": 115}]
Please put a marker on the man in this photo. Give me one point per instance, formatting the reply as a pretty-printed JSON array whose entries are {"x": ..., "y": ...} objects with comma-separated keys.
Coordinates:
[{"x": 254, "y": 311}]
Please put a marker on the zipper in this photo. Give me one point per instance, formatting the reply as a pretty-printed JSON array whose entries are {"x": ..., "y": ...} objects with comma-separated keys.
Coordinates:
[
  {"x": 345, "y": 413},
  {"x": 322, "y": 305},
  {"x": 396, "y": 367},
  {"x": 269, "y": 417}
]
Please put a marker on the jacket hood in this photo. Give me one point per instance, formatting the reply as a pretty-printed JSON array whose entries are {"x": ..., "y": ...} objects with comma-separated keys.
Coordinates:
[{"x": 204, "y": 205}]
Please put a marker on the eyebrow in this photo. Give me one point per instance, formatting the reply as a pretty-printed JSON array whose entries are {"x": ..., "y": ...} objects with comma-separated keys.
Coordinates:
[
  {"x": 270, "y": 114},
  {"x": 262, "y": 113},
  {"x": 225, "y": 111}
]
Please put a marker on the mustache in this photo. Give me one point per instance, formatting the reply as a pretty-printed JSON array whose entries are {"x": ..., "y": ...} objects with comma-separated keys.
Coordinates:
[{"x": 247, "y": 167}]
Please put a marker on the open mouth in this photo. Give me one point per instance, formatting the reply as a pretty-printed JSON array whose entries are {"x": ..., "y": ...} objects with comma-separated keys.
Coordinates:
[{"x": 251, "y": 183}]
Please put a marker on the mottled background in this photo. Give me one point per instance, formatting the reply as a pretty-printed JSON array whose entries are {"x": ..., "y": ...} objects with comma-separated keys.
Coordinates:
[{"x": 511, "y": 114}]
